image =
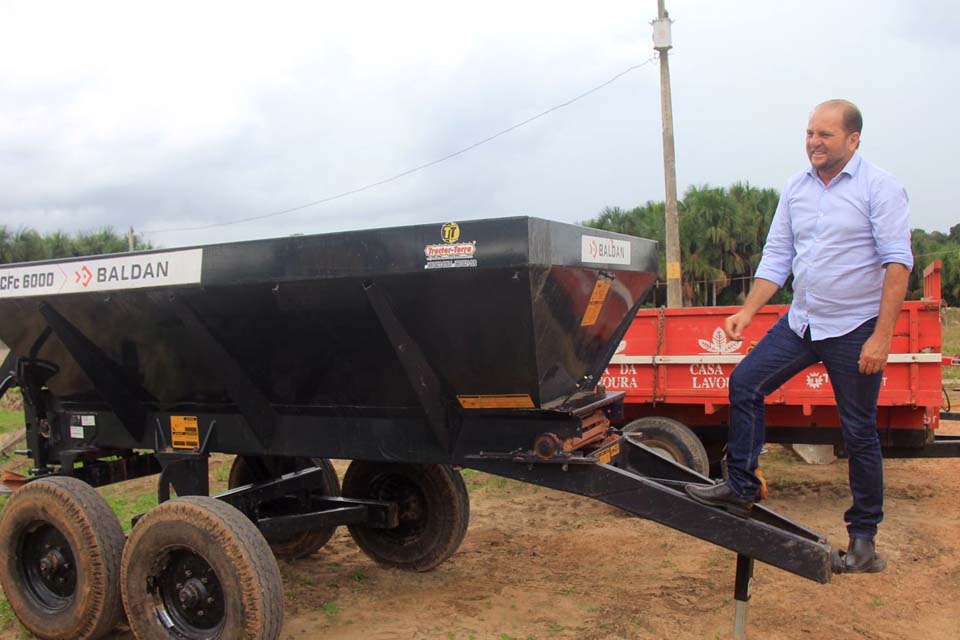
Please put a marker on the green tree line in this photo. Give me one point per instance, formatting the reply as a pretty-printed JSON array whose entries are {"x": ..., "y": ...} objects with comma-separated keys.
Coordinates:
[
  {"x": 27, "y": 245},
  {"x": 722, "y": 232}
]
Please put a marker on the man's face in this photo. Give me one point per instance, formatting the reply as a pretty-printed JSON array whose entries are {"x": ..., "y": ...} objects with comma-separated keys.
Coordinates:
[{"x": 829, "y": 146}]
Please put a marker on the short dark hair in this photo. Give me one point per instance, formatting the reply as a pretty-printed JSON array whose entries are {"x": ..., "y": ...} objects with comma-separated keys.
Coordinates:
[{"x": 852, "y": 119}]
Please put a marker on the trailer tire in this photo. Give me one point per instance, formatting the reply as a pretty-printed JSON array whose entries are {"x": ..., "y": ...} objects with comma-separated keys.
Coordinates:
[
  {"x": 434, "y": 512},
  {"x": 60, "y": 559},
  {"x": 297, "y": 545},
  {"x": 671, "y": 439},
  {"x": 198, "y": 568}
]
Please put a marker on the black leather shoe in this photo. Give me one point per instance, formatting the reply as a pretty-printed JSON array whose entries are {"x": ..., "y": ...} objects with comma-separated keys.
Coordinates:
[
  {"x": 861, "y": 557},
  {"x": 720, "y": 495}
]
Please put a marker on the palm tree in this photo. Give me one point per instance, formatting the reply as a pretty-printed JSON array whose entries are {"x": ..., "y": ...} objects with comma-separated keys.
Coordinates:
[
  {"x": 6, "y": 245},
  {"x": 28, "y": 246}
]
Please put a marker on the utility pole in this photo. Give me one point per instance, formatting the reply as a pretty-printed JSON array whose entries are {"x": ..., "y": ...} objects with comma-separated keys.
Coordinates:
[
  {"x": 130, "y": 238},
  {"x": 662, "y": 43}
]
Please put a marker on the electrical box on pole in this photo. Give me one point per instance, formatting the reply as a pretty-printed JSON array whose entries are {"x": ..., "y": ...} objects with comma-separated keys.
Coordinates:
[{"x": 662, "y": 39}]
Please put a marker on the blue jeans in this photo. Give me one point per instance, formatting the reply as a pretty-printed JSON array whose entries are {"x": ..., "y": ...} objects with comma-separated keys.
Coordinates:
[{"x": 779, "y": 356}]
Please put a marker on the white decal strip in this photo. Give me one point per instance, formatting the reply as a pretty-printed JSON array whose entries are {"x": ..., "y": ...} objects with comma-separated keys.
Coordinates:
[
  {"x": 895, "y": 358},
  {"x": 137, "y": 271},
  {"x": 604, "y": 250}
]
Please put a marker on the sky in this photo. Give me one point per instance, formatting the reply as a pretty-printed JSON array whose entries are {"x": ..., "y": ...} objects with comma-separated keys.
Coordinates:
[{"x": 181, "y": 118}]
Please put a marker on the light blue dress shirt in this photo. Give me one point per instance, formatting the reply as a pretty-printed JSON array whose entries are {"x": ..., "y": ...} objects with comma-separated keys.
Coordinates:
[{"x": 836, "y": 240}]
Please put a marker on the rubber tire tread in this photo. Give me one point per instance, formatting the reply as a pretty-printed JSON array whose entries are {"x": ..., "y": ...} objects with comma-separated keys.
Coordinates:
[
  {"x": 95, "y": 531},
  {"x": 450, "y": 511},
  {"x": 692, "y": 453},
  {"x": 308, "y": 542},
  {"x": 460, "y": 487},
  {"x": 228, "y": 532}
]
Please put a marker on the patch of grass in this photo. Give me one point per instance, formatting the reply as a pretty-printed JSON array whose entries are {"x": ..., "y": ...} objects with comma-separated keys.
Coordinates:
[
  {"x": 469, "y": 475},
  {"x": 497, "y": 483},
  {"x": 951, "y": 340},
  {"x": 494, "y": 484},
  {"x": 360, "y": 576},
  {"x": 10, "y": 420},
  {"x": 556, "y": 628},
  {"x": 222, "y": 472},
  {"x": 330, "y": 610},
  {"x": 951, "y": 329},
  {"x": 127, "y": 506},
  {"x": 7, "y": 619},
  {"x": 12, "y": 399},
  {"x": 877, "y": 602}
]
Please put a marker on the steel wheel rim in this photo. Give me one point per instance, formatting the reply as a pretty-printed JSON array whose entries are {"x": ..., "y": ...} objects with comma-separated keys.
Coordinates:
[
  {"x": 47, "y": 567},
  {"x": 187, "y": 594},
  {"x": 662, "y": 449}
]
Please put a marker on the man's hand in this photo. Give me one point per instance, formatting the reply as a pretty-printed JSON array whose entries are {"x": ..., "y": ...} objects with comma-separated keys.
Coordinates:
[
  {"x": 760, "y": 293},
  {"x": 873, "y": 355},
  {"x": 735, "y": 324}
]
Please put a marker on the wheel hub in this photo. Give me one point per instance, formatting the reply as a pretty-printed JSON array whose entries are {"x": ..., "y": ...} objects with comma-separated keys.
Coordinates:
[
  {"x": 188, "y": 593},
  {"x": 47, "y": 565},
  {"x": 412, "y": 509},
  {"x": 53, "y": 563},
  {"x": 193, "y": 594}
]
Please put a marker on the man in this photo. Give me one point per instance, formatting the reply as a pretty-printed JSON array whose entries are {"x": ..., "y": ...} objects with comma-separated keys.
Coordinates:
[{"x": 841, "y": 228}]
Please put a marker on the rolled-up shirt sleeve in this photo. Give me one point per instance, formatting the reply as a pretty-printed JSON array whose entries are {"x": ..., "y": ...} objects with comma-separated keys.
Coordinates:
[
  {"x": 779, "y": 249},
  {"x": 889, "y": 219}
]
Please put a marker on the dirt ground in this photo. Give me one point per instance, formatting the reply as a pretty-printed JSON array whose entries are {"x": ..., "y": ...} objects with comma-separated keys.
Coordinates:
[{"x": 540, "y": 564}]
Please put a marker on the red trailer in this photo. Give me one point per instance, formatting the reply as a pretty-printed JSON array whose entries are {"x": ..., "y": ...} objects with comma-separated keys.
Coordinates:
[{"x": 675, "y": 365}]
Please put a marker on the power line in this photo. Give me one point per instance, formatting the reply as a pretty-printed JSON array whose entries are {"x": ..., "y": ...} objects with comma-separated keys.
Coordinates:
[
  {"x": 421, "y": 167},
  {"x": 934, "y": 253}
]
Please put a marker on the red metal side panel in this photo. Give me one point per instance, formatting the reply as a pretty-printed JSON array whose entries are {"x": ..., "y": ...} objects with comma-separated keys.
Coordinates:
[{"x": 682, "y": 357}]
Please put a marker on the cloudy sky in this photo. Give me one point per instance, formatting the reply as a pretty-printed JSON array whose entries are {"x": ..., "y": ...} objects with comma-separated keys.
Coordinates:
[{"x": 173, "y": 115}]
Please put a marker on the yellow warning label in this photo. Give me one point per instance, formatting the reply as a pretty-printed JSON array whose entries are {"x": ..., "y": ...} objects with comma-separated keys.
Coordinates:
[
  {"x": 597, "y": 298},
  {"x": 673, "y": 271},
  {"x": 607, "y": 454},
  {"x": 184, "y": 432},
  {"x": 508, "y": 401}
]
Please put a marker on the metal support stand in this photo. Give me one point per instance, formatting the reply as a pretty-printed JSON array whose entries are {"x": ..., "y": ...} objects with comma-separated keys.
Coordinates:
[
  {"x": 741, "y": 594},
  {"x": 187, "y": 473}
]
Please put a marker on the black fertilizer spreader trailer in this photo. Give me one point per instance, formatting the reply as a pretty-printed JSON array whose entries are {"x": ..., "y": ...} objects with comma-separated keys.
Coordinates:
[{"x": 411, "y": 351}]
